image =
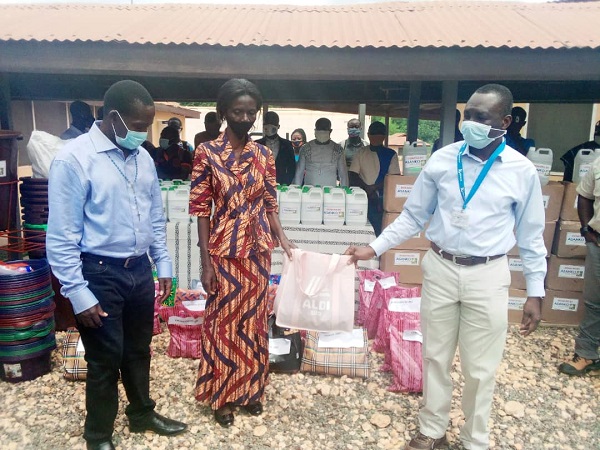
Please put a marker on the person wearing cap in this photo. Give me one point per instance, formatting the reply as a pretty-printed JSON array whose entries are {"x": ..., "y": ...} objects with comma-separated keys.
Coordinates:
[
  {"x": 354, "y": 143},
  {"x": 282, "y": 149},
  {"x": 81, "y": 120},
  {"x": 568, "y": 158},
  {"x": 212, "y": 129},
  {"x": 175, "y": 122},
  {"x": 457, "y": 134},
  {"x": 513, "y": 132},
  {"x": 368, "y": 169}
]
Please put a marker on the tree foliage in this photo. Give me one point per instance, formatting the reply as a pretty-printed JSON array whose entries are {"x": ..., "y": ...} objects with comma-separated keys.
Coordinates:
[{"x": 429, "y": 130}]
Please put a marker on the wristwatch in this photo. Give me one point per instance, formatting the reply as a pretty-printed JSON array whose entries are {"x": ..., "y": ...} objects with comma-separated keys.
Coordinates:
[{"x": 584, "y": 230}]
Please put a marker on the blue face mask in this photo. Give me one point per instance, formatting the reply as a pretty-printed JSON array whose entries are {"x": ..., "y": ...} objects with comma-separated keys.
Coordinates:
[
  {"x": 476, "y": 134},
  {"x": 353, "y": 132},
  {"x": 133, "y": 139}
]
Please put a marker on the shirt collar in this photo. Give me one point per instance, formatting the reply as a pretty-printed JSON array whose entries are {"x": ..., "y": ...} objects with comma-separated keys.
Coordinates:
[
  {"x": 101, "y": 142},
  {"x": 505, "y": 156}
]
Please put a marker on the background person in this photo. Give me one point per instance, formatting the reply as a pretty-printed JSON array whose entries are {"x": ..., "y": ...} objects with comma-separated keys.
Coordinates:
[
  {"x": 457, "y": 134},
  {"x": 81, "y": 120},
  {"x": 464, "y": 298},
  {"x": 369, "y": 168},
  {"x": 513, "y": 132},
  {"x": 212, "y": 127},
  {"x": 298, "y": 139},
  {"x": 321, "y": 161},
  {"x": 238, "y": 175},
  {"x": 283, "y": 152},
  {"x": 173, "y": 160},
  {"x": 568, "y": 158},
  {"x": 354, "y": 142},
  {"x": 175, "y": 123},
  {"x": 586, "y": 356},
  {"x": 106, "y": 217}
]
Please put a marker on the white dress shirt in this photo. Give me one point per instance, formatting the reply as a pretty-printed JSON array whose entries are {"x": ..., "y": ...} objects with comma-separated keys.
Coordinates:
[{"x": 509, "y": 198}]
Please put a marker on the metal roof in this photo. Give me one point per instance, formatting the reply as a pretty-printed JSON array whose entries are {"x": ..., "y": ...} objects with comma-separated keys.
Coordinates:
[{"x": 386, "y": 25}]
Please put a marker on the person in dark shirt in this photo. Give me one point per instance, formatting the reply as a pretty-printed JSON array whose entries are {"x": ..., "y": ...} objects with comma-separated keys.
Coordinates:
[
  {"x": 283, "y": 152},
  {"x": 173, "y": 160},
  {"x": 513, "y": 132},
  {"x": 212, "y": 129},
  {"x": 568, "y": 158},
  {"x": 457, "y": 134}
]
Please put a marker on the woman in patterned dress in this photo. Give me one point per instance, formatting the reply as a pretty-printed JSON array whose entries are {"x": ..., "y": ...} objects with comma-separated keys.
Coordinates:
[{"x": 238, "y": 175}]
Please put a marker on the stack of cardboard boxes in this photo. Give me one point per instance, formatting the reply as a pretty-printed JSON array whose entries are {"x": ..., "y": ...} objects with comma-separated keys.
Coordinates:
[
  {"x": 564, "y": 283},
  {"x": 405, "y": 258}
]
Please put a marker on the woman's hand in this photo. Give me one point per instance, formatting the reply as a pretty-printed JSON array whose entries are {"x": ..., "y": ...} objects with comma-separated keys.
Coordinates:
[
  {"x": 287, "y": 246},
  {"x": 209, "y": 279}
]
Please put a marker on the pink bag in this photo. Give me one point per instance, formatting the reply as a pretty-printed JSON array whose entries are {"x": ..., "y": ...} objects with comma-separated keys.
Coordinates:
[
  {"x": 184, "y": 320},
  {"x": 316, "y": 292},
  {"x": 406, "y": 356},
  {"x": 157, "y": 327},
  {"x": 366, "y": 289}
]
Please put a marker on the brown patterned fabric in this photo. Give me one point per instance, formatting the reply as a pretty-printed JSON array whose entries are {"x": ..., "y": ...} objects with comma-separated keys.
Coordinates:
[{"x": 74, "y": 365}]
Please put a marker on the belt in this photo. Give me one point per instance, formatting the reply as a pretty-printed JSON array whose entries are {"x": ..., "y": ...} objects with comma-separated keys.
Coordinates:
[
  {"x": 127, "y": 263},
  {"x": 463, "y": 260}
]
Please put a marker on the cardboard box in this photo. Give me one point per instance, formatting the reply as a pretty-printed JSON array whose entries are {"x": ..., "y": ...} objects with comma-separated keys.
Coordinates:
[
  {"x": 568, "y": 242},
  {"x": 396, "y": 189},
  {"x": 565, "y": 274},
  {"x": 516, "y": 300},
  {"x": 568, "y": 210},
  {"x": 405, "y": 262},
  {"x": 549, "y": 232},
  {"x": 517, "y": 278},
  {"x": 553, "y": 194},
  {"x": 563, "y": 307},
  {"x": 418, "y": 242}
]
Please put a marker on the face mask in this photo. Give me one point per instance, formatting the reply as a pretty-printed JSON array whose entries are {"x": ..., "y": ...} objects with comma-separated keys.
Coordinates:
[
  {"x": 132, "y": 140},
  {"x": 270, "y": 130},
  {"x": 354, "y": 132},
  {"x": 164, "y": 143},
  {"x": 297, "y": 144},
  {"x": 476, "y": 134},
  {"x": 240, "y": 129},
  {"x": 322, "y": 136}
]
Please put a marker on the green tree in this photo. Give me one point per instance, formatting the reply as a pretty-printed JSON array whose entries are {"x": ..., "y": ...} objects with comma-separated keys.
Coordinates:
[{"x": 429, "y": 130}]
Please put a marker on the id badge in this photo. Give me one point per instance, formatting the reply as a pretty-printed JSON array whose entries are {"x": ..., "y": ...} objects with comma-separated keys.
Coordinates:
[{"x": 460, "y": 219}]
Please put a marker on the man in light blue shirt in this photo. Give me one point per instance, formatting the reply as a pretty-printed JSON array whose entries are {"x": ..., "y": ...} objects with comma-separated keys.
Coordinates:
[
  {"x": 476, "y": 193},
  {"x": 106, "y": 219}
]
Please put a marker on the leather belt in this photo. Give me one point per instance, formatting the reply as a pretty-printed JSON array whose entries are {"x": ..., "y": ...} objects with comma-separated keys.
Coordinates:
[
  {"x": 127, "y": 263},
  {"x": 463, "y": 260}
]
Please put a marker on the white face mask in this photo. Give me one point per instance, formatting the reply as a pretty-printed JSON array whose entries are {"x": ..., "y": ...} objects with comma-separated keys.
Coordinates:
[
  {"x": 322, "y": 136},
  {"x": 164, "y": 143},
  {"x": 270, "y": 130},
  {"x": 476, "y": 134}
]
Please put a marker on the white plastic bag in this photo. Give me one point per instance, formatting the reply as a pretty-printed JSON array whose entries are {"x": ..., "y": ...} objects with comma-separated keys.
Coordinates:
[{"x": 41, "y": 149}]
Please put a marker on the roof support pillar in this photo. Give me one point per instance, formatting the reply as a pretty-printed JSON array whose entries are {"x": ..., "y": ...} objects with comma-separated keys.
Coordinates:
[
  {"x": 362, "y": 112},
  {"x": 5, "y": 98},
  {"x": 449, "y": 97},
  {"x": 414, "y": 103}
]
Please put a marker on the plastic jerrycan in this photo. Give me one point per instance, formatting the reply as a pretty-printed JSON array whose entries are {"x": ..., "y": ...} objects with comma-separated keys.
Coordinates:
[
  {"x": 357, "y": 206},
  {"x": 583, "y": 162},
  {"x": 290, "y": 200},
  {"x": 334, "y": 206},
  {"x": 414, "y": 158},
  {"x": 312, "y": 206},
  {"x": 542, "y": 160},
  {"x": 178, "y": 203}
]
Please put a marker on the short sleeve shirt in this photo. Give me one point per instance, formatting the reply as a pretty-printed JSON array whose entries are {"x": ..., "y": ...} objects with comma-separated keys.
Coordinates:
[{"x": 589, "y": 187}]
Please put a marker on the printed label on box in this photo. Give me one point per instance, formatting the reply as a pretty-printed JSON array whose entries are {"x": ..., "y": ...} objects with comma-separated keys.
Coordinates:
[
  {"x": 405, "y": 305},
  {"x": 2, "y": 169},
  {"x": 570, "y": 271},
  {"x": 516, "y": 303},
  {"x": 546, "y": 199},
  {"x": 515, "y": 264},
  {"x": 574, "y": 239},
  {"x": 407, "y": 259},
  {"x": 414, "y": 161},
  {"x": 187, "y": 321},
  {"x": 403, "y": 190},
  {"x": 565, "y": 304},
  {"x": 412, "y": 335}
]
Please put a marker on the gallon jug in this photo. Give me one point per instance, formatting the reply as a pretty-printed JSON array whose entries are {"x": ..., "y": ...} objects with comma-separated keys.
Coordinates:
[
  {"x": 312, "y": 206},
  {"x": 290, "y": 201},
  {"x": 334, "y": 206},
  {"x": 414, "y": 158},
  {"x": 357, "y": 205},
  {"x": 178, "y": 204},
  {"x": 583, "y": 162},
  {"x": 164, "y": 190},
  {"x": 542, "y": 160}
]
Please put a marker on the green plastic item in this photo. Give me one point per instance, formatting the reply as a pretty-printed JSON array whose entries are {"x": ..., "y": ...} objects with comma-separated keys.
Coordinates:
[
  {"x": 170, "y": 300},
  {"x": 31, "y": 226}
]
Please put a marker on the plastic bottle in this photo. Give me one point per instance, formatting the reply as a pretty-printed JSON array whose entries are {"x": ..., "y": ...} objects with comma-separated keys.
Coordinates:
[
  {"x": 312, "y": 206},
  {"x": 357, "y": 206},
  {"x": 414, "y": 158},
  {"x": 542, "y": 159},
  {"x": 290, "y": 201},
  {"x": 334, "y": 206},
  {"x": 583, "y": 161}
]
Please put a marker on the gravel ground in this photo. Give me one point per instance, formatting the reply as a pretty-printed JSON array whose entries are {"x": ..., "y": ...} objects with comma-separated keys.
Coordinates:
[{"x": 535, "y": 407}]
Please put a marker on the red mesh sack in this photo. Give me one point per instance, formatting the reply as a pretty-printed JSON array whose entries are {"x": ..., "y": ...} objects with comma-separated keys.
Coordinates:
[{"x": 184, "y": 320}]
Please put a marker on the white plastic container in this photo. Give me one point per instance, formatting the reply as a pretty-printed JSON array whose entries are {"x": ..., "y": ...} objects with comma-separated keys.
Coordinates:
[
  {"x": 334, "y": 206},
  {"x": 583, "y": 162},
  {"x": 178, "y": 204},
  {"x": 311, "y": 212},
  {"x": 290, "y": 202},
  {"x": 357, "y": 205},
  {"x": 414, "y": 158},
  {"x": 542, "y": 160},
  {"x": 164, "y": 191}
]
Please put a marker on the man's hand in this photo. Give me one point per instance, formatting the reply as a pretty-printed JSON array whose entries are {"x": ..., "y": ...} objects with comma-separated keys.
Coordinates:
[
  {"x": 532, "y": 314},
  {"x": 91, "y": 317},
  {"x": 359, "y": 253},
  {"x": 593, "y": 238},
  {"x": 164, "y": 289}
]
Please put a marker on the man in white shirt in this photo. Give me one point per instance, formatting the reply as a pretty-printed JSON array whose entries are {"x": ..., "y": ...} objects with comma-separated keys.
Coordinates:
[{"x": 475, "y": 193}]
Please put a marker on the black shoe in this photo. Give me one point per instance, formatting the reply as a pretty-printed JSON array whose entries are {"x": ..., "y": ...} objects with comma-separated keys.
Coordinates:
[
  {"x": 159, "y": 425},
  {"x": 256, "y": 409},
  {"x": 224, "y": 416},
  {"x": 106, "y": 445}
]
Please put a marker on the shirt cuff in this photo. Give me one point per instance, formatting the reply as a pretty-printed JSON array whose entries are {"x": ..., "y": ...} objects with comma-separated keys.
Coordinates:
[
  {"x": 164, "y": 269},
  {"x": 82, "y": 300},
  {"x": 380, "y": 246},
  {"x": 535, "y": 287}
]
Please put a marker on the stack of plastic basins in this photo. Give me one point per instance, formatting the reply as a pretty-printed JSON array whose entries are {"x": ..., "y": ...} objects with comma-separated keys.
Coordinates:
[
  {"x": 34, "y": 207},
  {"x": 26, "y": 322}
]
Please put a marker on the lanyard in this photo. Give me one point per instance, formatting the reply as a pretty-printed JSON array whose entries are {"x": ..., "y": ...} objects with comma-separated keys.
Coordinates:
[{"x": 482, "y": 174}]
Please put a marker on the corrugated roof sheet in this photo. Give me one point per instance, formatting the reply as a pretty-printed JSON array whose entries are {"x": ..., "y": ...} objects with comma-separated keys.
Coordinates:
[{"x": 386, "y": 25}]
